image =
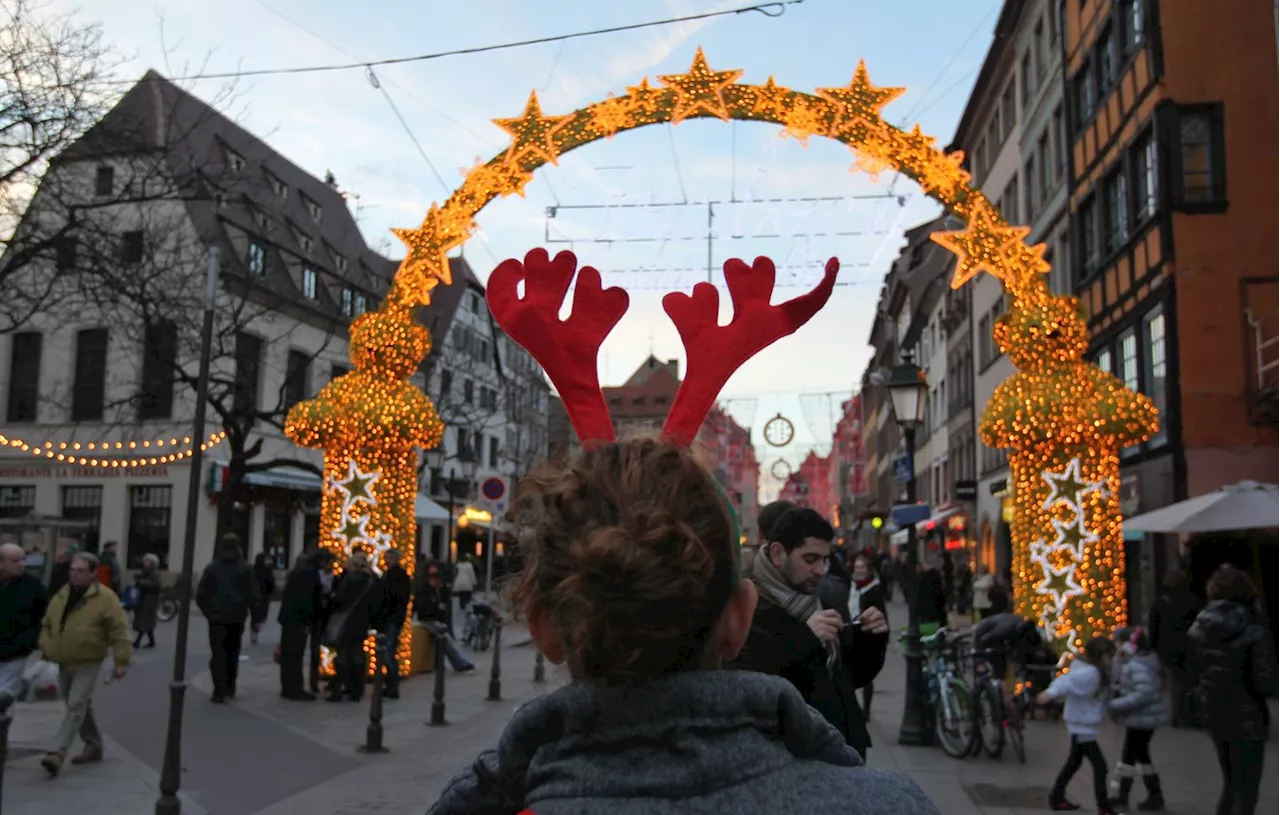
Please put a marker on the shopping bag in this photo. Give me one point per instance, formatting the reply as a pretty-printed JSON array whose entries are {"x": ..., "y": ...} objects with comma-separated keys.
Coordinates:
[
  {"x": 129, "y": 597},
  {"x": 41, "y": 677}
]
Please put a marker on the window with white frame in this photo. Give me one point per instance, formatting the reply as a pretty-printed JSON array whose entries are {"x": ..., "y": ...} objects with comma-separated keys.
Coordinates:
[
  {"x": 1153, "y": 328},
  {"x": 257, "y": 259},
  {"x": 1143, "y": 162},
  {"x": 310, "y": 287}
]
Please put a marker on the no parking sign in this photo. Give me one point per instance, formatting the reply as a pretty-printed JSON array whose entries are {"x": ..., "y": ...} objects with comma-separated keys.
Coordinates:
[{"x": 493, "y": 491}]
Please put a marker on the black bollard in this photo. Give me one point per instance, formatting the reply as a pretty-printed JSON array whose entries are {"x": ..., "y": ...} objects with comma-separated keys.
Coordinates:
[
  {"x": 495, "y": 673},
  {"x": 373, "y": 733},
  {"x": 539, "y": 667},
  {"x": 437, "y": 703},
  {"x": 6, "y": 718}
]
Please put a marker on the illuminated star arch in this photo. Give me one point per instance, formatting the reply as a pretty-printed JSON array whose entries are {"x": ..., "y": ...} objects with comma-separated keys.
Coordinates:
[{"x": 1055, "y": 409}]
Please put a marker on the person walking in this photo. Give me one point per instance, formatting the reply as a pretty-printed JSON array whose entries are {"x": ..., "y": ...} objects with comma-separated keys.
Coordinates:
[
  {"x": 810, "y": 647},
  {"x": 1084, "y": 687},
  {"x": 357, "y": 608},
  {"x": 1137, "y": 702},
  {"x": 964, "y": 590},
  {"x": 265, "y": 578},
  {"x": 464, "y": 581},
  {"x": 983, "y": 583},
  {"x": 397, "y": 590},
  {"x": 1236, "y": 665},
  {"x": 1171, "y": 618},
  {"x": 61, "y": 569},
  {"x": 83, "y": 624},
  {"x": 22, "y": 607},
  {"x": 300, "y": 606},
  {"x": 148, "y": 587},
  {"x": 931, "y": 594},
  {"x": 109, "y": 572},
  {"x": 328, "y": 582},
  {"x": 225, "y": 594}
]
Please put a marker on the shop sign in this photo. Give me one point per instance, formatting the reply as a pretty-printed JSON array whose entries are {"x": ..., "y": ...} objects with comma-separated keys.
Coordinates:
[
  {"x": 966, "y": 490},
  {"x": 24, "y": 470}
]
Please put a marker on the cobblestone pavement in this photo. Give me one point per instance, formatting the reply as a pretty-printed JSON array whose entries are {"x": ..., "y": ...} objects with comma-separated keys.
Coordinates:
[{"x": 422, "y": 759}]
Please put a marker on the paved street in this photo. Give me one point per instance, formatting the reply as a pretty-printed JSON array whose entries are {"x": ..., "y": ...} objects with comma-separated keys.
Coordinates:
[{"x": 263, "y": 756}]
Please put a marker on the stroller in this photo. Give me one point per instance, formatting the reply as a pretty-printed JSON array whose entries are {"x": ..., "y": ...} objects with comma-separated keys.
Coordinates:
[{"x": 478, "y": 630}]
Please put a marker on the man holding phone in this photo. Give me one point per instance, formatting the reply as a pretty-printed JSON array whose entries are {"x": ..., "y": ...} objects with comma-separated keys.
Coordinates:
[{"x": 825, "y": 659}]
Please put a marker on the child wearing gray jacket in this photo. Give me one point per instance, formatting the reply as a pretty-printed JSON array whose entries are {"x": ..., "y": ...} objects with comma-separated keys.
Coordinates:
[{"x": 1137, "y": 702}]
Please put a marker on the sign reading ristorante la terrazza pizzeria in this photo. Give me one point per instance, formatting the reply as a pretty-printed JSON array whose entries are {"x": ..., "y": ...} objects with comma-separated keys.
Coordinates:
[{"x": 48, "y": 469}]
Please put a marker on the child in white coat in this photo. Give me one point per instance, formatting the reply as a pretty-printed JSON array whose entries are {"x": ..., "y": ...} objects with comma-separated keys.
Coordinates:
[{"x": 1084, "y": 687}]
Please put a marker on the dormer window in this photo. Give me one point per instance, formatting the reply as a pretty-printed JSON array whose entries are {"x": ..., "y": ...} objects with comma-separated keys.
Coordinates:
[
  {"x": 347, "y": 302},
  {"x": 309, "y": 284},
  {"x": 278, "y": 187},
  {"x": 339, "y": 262},
  {"x": 235, "y": 161},
  {"x": 304, "y": 240},
  {"x": 361, "y": 304},
  {"x": 313, "y": 209},
  {"x": 257, "y": 260}
]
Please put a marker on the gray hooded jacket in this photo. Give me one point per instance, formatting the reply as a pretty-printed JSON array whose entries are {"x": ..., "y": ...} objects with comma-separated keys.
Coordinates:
[
  {"x": 1137, "y": 700},
  {"x": 696, "y": 742}
]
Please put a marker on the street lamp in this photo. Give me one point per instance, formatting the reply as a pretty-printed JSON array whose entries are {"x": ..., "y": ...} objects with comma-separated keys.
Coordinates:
[{"x": 908, "y": 388}]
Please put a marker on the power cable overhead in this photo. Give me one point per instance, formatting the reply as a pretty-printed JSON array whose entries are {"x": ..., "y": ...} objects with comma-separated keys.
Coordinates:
[{"x": 775, "y": 9}]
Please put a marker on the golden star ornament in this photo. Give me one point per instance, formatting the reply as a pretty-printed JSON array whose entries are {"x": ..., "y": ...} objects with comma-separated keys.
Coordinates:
[
  {"x": 427, "y": 264},
  {"x": 701, "y": 90},
  {"x": 981, "y": 246},
  {"x": 859, "y": 100},
  {"x": 533, "y": 132}
]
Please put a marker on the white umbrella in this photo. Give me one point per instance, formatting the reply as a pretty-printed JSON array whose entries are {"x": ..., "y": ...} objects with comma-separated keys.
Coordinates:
[{"x": 1247, "y": 505}]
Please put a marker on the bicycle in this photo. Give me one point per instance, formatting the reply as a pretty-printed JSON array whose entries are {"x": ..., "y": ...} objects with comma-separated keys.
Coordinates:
[
  {"x": 994, "y": 721},
  {"x": 477, "y": 632},
  {"x": 949, "y": 695}
]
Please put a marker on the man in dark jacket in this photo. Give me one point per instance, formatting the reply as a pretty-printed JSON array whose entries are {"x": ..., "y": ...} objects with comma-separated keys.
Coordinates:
[
  {"x": 791, "y": 637},
  {"x": 300, "y": 606},
  {"x": 931, "y": 594},
  {"x": 22, "y": 607},
  {"x": 1236, "y": 667},
  {"x": 397, "y": 588},
  {"x": 225, "y": 594}
]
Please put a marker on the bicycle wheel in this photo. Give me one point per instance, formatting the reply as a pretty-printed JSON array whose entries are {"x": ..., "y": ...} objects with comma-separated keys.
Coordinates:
[
  {"x": 1014, "y": 727},
  {"x": 953, "y": 719},
  {"x": 991, "y": 720},
  {"x": 167, "y": 610}
]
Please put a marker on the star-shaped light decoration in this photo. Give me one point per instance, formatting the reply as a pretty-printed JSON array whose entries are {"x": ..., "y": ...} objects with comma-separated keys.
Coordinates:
[
  {"x": 859, "y": 101},
  {"x": 769, "y": 98},
  {"x": 357, "y": 486},
  {"x": 379, "y": 545},
  {"x": 352, "y": 531},
  {"x": 1059, "y": 584},
  {"x": 872, "y": 155},
  {"x": 945, "y": 174},
  {"x": 532, "y": 132},
  {"x": 801, "y": 122},
  {"x": 1068, "y": 486},
  {"x": 1073, "y": 536},
  {"x": 700, "y": 90},
  {"x": 611, "y": 115},
  {"x": 980, "y": 246},
  {"x": 502, "y": 177},
  {"x": 644, "y": 97},
  {"x": 427, "y": 264}
]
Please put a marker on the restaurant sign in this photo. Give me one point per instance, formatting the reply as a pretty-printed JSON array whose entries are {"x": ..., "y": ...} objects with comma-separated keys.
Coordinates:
[{"x": 38, "y": 469}]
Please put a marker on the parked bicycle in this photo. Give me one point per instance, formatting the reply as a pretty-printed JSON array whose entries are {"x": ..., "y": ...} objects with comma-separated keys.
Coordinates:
[
  {"x": 949, "y": 694},
  {"x": 168, "y": 608},
  {"x": 477, "y": 631},
  {"x": 995, "y": 721}
]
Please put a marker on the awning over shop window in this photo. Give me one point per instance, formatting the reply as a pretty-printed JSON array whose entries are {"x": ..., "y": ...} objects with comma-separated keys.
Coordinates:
[
  {"x": 936, "y": 520},
  {"x": 285, "y": 478},
  {"x": 428, "y": 511}
]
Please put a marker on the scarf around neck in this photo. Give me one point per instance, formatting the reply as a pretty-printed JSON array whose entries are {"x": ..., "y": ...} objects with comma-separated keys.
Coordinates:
[{"x": 798, "y": 605}]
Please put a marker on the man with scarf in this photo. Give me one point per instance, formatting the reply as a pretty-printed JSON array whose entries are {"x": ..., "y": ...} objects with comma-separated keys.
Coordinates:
[{"x": 813, "y": 648}]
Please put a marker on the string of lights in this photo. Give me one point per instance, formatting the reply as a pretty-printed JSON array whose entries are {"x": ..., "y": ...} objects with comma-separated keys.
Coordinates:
[{"x": 107, "y": 453}]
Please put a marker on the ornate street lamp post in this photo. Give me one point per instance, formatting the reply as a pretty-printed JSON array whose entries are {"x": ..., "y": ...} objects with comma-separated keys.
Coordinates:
[{"x": 907, "y": 390}]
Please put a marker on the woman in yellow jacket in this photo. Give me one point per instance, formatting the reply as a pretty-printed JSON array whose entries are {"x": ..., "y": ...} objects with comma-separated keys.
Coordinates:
[{"x": 83, "y": 623}]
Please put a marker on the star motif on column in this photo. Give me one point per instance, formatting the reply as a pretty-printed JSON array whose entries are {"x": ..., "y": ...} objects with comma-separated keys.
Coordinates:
[
  {"x": 699, "y": 90},
  {"x": 1059, "y": 584},
  {"x": 352, "y": 531},
  {"x": 980, "y": 246},
  {"x": 427, "y": 264},
  {"x": 1073, "y": 536},
  {"x": 1068, "y": 486},
  {"x": 532, "y": 132},
  {"x": 357, "y": 485},
  {"x": 380, "y": 544},
  {"x": 859, "y": 100}
]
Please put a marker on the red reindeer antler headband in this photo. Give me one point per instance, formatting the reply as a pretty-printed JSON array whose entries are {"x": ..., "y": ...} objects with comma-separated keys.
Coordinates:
[{"x": 567, "y": 349}]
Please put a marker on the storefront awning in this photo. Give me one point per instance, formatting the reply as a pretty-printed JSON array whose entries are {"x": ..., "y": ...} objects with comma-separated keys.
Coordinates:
[
  {"x": 428, "y": 511},
  {"x": 933, "y": 521},
  {"x": 285, "y": 478}
]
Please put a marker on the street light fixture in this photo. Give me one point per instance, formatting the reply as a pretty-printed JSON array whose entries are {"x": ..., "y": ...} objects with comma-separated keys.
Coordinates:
[{"x": 908, "y": 389}]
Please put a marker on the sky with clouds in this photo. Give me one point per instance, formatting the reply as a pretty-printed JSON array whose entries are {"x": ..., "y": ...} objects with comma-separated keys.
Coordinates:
[{"x": 341, "y": 122}]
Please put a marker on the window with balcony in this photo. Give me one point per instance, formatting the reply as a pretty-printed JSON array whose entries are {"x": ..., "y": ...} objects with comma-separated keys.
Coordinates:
[
  {"x": 1201, "y": 161},
  {"x": 1142, "y": 159},
  {"x": 1117, "y": 200}
]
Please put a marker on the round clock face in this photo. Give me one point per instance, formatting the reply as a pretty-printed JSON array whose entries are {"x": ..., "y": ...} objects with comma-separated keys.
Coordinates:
[
  {"x": 781, "y": 469},
  {"x": 779, "y": 431}
]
